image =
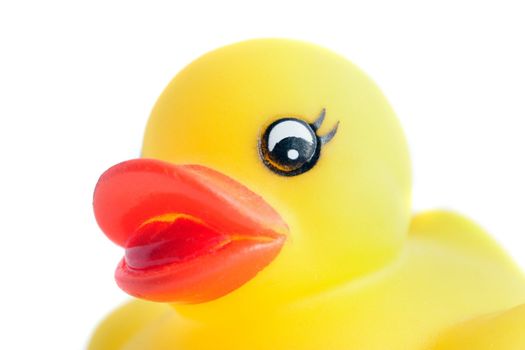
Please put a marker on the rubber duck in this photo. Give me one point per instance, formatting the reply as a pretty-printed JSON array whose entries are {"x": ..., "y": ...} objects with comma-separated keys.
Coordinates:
[{"x": 270, "y": 209}]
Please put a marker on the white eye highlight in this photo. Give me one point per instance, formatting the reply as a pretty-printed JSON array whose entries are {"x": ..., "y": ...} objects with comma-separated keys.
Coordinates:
[
  {"x": 293, "y": 154},
  {"x": 289, "y": 128}
]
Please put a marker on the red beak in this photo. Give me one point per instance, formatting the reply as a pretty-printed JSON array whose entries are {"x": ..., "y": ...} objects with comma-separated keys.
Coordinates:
[{"x": 191, "y": 234}]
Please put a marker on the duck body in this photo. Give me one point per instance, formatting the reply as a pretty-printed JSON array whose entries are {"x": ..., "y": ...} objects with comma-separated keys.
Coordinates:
[{"x": 324, "y": 254}]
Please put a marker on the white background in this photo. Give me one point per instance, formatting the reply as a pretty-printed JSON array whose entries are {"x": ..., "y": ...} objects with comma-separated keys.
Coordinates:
[{"x": 77, "y": 82}]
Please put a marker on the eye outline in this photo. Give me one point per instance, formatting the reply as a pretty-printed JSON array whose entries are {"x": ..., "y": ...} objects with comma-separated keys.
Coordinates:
[
  {"x": 264, "y": 149},
  {"x": 312, "y": 128}
]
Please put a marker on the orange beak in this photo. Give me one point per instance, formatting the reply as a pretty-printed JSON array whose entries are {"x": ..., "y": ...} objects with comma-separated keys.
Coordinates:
[{"x": 190, "y": 233}]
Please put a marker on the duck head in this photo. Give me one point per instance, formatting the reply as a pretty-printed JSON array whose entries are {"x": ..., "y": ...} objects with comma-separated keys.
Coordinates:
[{"x": 272, "y": 169}]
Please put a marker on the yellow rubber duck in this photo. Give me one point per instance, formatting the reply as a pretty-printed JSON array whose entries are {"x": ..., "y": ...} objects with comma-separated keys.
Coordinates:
[{"x": 271, "y": 210}]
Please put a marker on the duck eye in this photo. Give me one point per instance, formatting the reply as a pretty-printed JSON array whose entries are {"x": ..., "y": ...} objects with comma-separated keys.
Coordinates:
[{"x": 289, "y": 147}]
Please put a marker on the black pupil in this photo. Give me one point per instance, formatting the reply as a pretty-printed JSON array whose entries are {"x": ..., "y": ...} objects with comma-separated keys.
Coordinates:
[{"x": 291, "y": 153}]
